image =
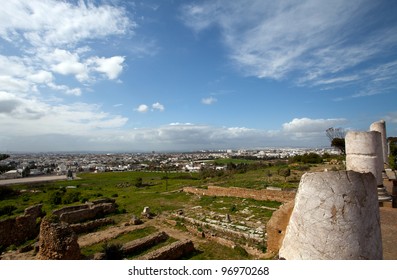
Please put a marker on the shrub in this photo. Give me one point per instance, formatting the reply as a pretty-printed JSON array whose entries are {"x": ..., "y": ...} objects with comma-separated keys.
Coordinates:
[
  {"x": 6, "y": 192},
  {"x": 71, "y": 197},
  {"x": 55, "y": 198},
  {"x": 112, "y": 251},
  {"x": 7, "y": 210}
]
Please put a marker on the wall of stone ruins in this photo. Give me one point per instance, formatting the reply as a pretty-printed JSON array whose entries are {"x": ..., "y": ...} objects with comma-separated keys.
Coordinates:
[
  {"x": 173, "y": 251},
  {"x": 84, "y": 212},
  {"x": 141, "y": 244},
  {"x": 91, "y": 225},
  {"x": 272, "y": 195},
  {"x": 209, "y": 228},
  {"x": 57, "y": 242},
  {"x": 22, "y": 228},
  {"x": 276, "y": 227}
]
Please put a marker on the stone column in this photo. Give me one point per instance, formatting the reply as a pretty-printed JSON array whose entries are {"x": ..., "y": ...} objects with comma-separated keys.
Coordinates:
[
  {"x": 364, "y": 153},
  {"x": 380, "y": 126},
  {"x": 335, "y": 217}
]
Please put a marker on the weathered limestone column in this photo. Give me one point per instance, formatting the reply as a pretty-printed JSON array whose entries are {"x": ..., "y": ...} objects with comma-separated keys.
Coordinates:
[
  {"x": 380, "y": 126},
  {"x": 335, "y": 217},
  {"x": 364, "y": 153}
]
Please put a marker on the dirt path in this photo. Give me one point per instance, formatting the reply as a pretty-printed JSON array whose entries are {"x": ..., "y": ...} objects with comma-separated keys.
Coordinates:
[
  {"x": 107, "y": 234},
  {"x": 388, "y": 221},
  {"x": 114, "y": 231}
]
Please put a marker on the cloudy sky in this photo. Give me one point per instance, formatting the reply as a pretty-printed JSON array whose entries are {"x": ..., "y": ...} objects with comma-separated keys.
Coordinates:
[{"x": 166, "y": 75}]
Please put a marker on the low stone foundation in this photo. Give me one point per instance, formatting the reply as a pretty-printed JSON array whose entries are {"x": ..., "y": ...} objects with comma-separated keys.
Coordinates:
[
  {"x": 174, "y": 251},
  {"x": 91, "y": 225},
  {"x": 22, "y": 228},
  {"x": 141, "y": 244},
  {"x": 272, "y": 195},
  {"x": 81, "y": 213},
  {"x": 247, "y": 238}
]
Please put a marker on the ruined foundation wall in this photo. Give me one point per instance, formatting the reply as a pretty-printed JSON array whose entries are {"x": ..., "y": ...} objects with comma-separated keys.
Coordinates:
[
  {"x": 280, "y": 196},
  {"x": 95, "y": 211},
  {"x": 276, "y": 227},
  {"x": 20, "y": 229},
  {"x": 173, "y": 251},
  {"x": 141, "y": 244},
  {"x": 91, "y": 225}
]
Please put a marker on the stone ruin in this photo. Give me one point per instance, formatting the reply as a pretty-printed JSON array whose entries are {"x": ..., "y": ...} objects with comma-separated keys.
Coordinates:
[
  {"x": 22, "y": 228},
  {"x": 173, "y": 251},
  {"x": 57, "y": 241},
  {"x": 87, "y": 211},
  {"x": 336, "y": 214}
]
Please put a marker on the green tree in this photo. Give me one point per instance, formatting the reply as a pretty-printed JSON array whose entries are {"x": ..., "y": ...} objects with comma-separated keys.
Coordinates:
[
  {"x": 393, "y": 152},
  {"x": 337, "y": 138},
  {"x": 285, "y": 172}
]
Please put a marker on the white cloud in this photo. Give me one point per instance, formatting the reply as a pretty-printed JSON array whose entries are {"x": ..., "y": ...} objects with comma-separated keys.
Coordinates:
[
  {"x": 309, "y": 130},
  {"x": 111, "y": 67},
  {"x": 158, "y": 106},
  {"x": 313, "y": 43},
  {"x": 209, "y": 100},
  {"x": 57, "y": 23},
  {"x": 41, "y": 77},
  {"x": 53, "y": 38},
  {"x": 87, "y": 127},
  {"x": 22, "y": 117},
  {"x": 303, "y": 125},
  {"x": 143, "y": 108},
  {"x": 65, "y": 89}
]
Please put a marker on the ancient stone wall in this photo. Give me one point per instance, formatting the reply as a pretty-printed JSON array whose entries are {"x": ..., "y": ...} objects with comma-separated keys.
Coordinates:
[
  {"x": 20, "y": 229},
  {"x": 93, "y": 212},
  {"x": 173, "y": 251},
  {"x": 277, "y": 226},
  {"x": 280, "y": 196},
  {"x": 91, "y": 225},
  {"x": 66, "y": 209},
  {"x": 57, "y": 242},
  {"x": 88, "y": 211},
  {"x": 141, "y": 244},
  {"x": 207, "y": 228}
]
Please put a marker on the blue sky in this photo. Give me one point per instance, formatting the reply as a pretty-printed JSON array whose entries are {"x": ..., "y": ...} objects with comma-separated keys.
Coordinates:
[{"x": 188, "y": 75}]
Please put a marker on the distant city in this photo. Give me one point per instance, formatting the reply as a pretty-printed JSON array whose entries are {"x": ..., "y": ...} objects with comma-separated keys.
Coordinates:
[{"x": 35, "y": 164}]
